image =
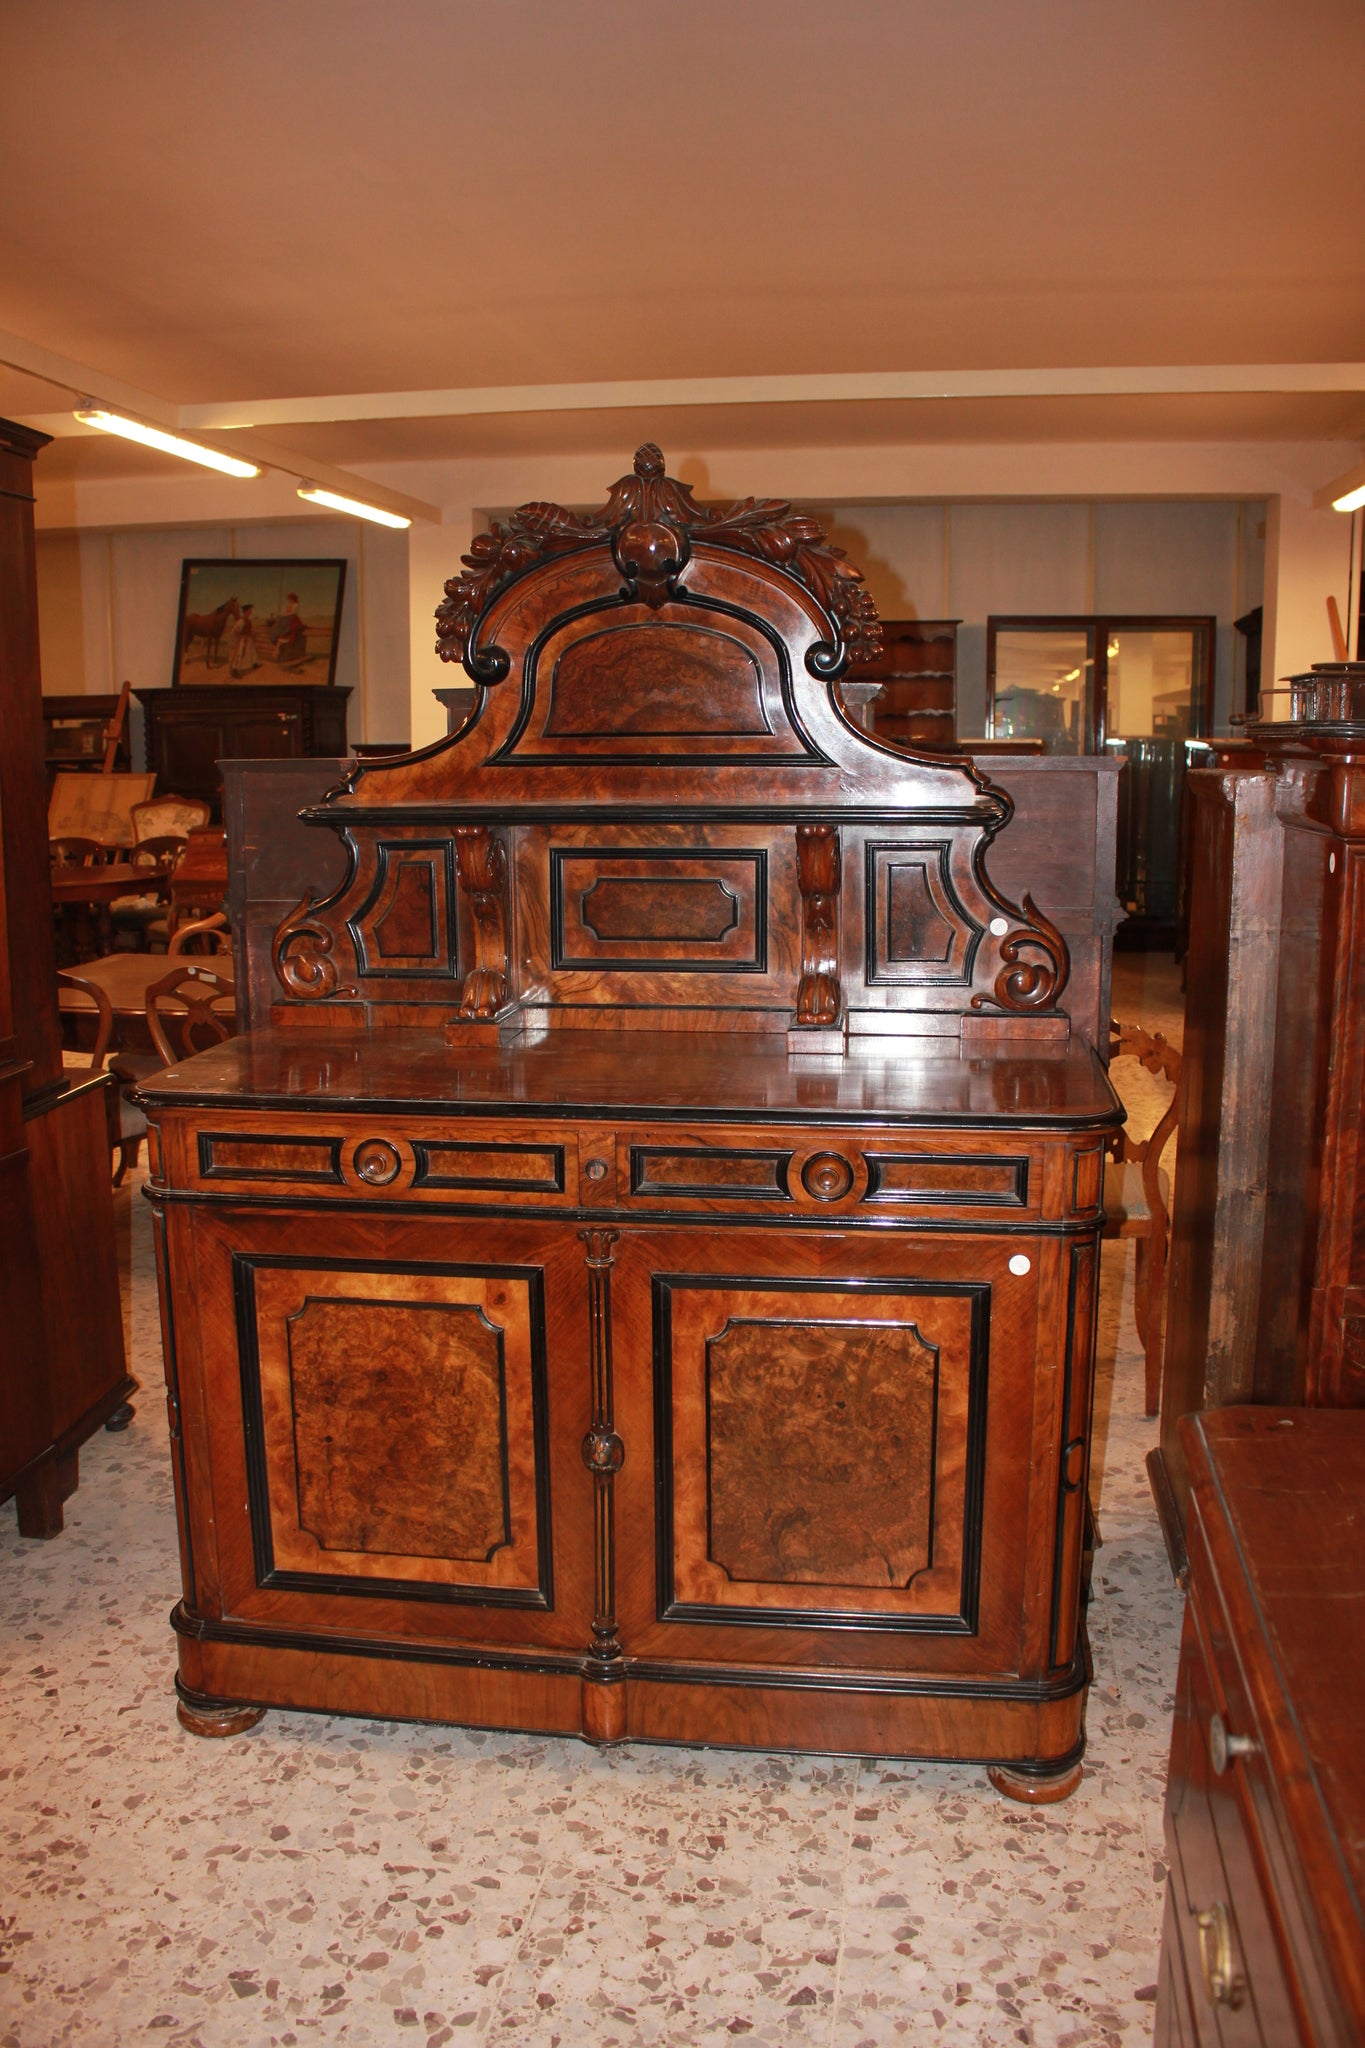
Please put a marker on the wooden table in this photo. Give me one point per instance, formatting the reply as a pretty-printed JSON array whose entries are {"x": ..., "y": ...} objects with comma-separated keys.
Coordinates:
[
  {"x": 84, "y": 888},
  {"x": 125, "y": 979}
]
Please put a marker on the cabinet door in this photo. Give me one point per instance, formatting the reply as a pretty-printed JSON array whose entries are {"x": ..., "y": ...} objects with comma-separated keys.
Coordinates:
[
  {"x": 367, "y": 1401},
  {"x": 843, "y": 1447}
]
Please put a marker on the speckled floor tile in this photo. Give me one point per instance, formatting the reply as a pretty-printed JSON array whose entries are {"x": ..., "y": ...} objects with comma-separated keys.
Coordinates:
[{"x": 321, "y": 1881}]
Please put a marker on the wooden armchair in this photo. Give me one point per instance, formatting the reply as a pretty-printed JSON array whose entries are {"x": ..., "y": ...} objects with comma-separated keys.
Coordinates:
[
  {"x": 1137, "y": 1198},
  {"x": 202, "y": 935}
]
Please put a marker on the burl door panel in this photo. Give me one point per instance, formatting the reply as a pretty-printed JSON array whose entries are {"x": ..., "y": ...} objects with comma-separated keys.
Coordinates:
[
  {"x": 840, "y": 1446},
  {"x": 379, "y": 1417}
]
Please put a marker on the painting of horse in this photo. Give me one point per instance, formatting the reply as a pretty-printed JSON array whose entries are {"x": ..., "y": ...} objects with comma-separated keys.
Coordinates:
[
  {"x": 208, "y": 627},
  {"x": 291, "y": 612}
]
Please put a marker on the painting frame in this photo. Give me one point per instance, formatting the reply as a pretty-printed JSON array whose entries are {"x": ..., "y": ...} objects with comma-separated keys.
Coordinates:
[{"x": 291, "y": 606}]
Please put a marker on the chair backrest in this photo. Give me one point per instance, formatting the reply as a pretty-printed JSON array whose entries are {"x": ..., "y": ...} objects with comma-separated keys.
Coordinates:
[
  {"x": 104, "y": 1011},
  {"x": 161, "y": 851},
  {"x": 1158, "y": 1056},
  {"x": 190, "y": 1009},
  {"x": 73, "y": 851},
  {"x": 159, "y": 815},
  {"x": 202, "y": 935}
]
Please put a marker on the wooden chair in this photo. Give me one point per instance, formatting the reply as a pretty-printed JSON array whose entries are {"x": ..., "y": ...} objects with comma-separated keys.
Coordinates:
[
  {"x": 144, "y": 913},
  {"x": 202, "y": 935},
  {"x": 73, "y": 851},
  {"x": 1137, "y": 1198},
  {"x": 190, "y": 1009},
  {"x": 168, "y": 816},
  {"x": 126, "y": 1125}
]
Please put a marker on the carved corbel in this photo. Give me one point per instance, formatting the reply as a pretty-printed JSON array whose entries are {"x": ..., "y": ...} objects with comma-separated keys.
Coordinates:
[
  {"x": 482, "y": 864},
  {"x": 819, "y": 999}
]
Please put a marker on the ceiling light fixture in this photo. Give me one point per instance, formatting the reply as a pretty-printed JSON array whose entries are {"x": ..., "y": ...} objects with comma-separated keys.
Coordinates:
[
  {"x": 169, "y": 444},
  {"x": 1351, "y": 502},
  {"x": 354, "y": 506}
]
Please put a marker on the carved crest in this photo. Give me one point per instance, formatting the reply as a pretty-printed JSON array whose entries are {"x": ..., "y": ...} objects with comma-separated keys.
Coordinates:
[{"x": 650, "y": 521}]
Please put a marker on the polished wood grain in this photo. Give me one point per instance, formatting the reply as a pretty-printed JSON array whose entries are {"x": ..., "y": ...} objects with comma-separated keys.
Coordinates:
[
  {"x": 1264, "y": 1937},
  {"x": 640, "y": 1279},
  {"x": 189, "y": 731}
]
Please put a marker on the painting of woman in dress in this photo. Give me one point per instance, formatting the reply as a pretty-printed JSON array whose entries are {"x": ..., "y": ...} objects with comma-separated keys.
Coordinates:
[{"x": 242, "y": 653}]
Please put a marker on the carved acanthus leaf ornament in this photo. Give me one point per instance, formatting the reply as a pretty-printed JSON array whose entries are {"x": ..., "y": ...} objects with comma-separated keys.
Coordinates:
[{"x": 650, "y": 520}]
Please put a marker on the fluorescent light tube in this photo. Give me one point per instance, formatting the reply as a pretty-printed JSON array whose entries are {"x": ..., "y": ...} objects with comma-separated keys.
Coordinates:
[
  {"x": 351, "y": 505},
  {"x": 1352, "y": 502},
  {"x": 169, "y": 444}
]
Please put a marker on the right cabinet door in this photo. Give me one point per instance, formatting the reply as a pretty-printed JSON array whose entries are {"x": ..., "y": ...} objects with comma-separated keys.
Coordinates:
[{"x": 842, "y": 1447}]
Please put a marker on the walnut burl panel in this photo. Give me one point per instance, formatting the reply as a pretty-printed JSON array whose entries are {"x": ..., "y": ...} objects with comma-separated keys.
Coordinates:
[
  {"x": 819, "y": 1451},
  {"x": 370, "y": 1384},
  {"x": 397, "y": 1422}
]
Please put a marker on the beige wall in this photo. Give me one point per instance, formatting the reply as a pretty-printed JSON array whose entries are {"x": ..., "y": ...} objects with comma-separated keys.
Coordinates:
[
  {"x": 108, "y": 604},
  {"x": 1043, "y": 526}
]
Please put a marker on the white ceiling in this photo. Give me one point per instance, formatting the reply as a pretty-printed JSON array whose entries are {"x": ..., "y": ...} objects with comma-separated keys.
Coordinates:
[{"x": 301, "y": 197}]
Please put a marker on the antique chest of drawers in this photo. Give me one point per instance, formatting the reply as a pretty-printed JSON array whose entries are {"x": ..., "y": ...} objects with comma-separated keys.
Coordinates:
[
  {"x": 642, "y": 1280},
  {"x": 1264, "y": 1934}
]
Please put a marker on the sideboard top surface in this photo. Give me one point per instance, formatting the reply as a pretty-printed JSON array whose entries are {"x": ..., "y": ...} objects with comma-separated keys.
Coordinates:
[{"x": 660, "y": 1074}]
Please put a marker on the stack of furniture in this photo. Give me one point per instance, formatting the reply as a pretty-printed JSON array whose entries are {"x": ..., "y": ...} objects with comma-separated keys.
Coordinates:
[
  {"x": 62, "y": 1367},
  {"x": 640, "y": 1279}
]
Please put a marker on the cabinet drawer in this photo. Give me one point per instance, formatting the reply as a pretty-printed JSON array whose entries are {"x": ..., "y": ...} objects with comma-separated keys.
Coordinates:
[
  {"x": 379, "y": 1158},
  {"x": 868, "y": 1176}
]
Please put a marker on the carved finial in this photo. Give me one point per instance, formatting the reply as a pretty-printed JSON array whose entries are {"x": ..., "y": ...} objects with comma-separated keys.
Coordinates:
[{"x": 766, "y": 528}]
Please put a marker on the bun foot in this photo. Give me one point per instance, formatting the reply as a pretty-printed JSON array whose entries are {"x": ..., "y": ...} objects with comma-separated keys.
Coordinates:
[
  {"x": 120, "y": 1418},
  {"x": 216, "y": 1717},
  {"x": 1035, "y": 1788}
]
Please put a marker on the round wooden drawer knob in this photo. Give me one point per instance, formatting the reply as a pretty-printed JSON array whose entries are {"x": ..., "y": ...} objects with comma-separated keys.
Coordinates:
[
  {"x": 377, "y": 1162},
  {"x": 596, "y": 1169},
  {"x": 827, "y": 1177}
]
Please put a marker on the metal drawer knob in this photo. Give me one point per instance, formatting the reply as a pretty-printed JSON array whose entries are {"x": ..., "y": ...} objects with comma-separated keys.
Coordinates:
[
  {"x": 596, "y": 1169},
  {"x": 1221, "y": 1982},
  {"x": 1224, "y": 1747}
]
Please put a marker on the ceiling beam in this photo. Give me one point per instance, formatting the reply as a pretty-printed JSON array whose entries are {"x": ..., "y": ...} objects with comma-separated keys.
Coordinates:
[
  {"x": 83, "y": 382},
  {"x": 456, "y": 402}
]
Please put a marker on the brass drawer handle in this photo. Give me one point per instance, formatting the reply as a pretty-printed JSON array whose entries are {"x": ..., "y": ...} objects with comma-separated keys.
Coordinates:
[
  {"x": 1224, "y": 1747},
  {"x": 1223, "y": 1985}
]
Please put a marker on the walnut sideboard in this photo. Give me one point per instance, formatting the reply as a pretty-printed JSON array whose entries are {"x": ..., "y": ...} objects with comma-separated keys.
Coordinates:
[{"x": 641, "y": 1280}]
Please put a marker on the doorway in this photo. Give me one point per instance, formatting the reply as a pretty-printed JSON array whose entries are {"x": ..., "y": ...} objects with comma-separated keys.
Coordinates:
[{"x": 1135, "y": 686}]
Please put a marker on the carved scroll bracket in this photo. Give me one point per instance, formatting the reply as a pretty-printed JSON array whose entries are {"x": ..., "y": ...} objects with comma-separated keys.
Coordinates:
[
  {"x": 482, "y": 863},
  {"x": 1035, "y": 963},
  {"x": 819, "y": 998},
  {"x": 302, "y": 952},
  {"x": 603, "y": 1454}
]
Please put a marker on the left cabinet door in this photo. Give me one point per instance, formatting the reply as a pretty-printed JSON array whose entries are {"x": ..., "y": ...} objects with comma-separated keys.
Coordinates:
[{"x": 365, "y": 1413}]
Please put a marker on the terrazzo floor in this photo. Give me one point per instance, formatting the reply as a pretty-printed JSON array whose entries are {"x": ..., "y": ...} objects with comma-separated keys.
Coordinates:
[{"x": 322, "y": 1881}]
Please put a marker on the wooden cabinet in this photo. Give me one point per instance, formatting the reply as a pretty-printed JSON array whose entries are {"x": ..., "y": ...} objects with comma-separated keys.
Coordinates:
[
  {"x": 637, "y": 1277},
  {"x": 62, "y": 1366},
  {"x": 1264, "y": 1937},
  {"x": 918, "y": 672},
  {"x": 74, "y": 734},
  {"x": 1267, "y": 1286},
  {"x": 190, "y": 730}
]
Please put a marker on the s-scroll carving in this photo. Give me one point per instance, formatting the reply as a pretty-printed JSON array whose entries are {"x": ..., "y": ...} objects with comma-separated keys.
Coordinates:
[
  {"x": 818, "y": 996},
  {"x": 302, "y": 952},
  {"x": 482, "y": 864},
  {"x": 1035, "y": 963}
]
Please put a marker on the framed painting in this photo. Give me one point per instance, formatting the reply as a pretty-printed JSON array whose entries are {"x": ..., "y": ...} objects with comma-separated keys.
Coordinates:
[{"x": 258, "y": 622}]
